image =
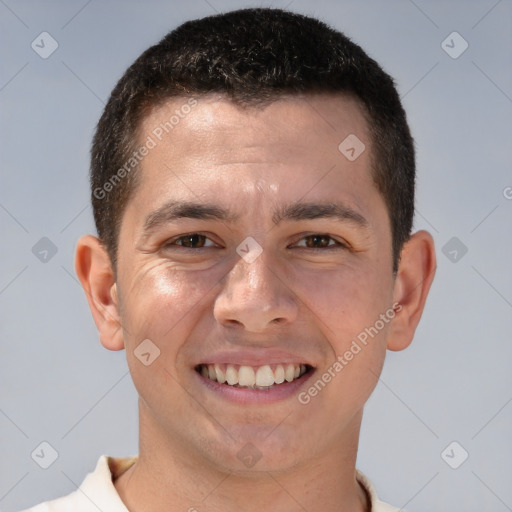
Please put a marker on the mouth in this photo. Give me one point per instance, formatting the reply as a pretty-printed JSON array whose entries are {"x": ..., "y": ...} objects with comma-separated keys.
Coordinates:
[{"x": 262, "y": 378}]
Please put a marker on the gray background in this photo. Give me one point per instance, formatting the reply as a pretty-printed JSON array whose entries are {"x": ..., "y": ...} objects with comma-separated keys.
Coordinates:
[{"x": 59, "y": 385}]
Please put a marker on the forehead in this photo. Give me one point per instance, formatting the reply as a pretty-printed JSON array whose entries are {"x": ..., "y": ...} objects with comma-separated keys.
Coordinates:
[
  {"x": 325, "y": 117},
  {"x": 210, "y": 149}
]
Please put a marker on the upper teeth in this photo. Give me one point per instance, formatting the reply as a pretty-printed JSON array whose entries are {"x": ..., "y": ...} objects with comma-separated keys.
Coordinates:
[{"x": 261, "y": 376}]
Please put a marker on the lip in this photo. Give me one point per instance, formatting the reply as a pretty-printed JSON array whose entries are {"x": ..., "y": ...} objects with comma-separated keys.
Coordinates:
[
  {"x": 246, "y": 396},
  {"x": 258, "y": 357}
]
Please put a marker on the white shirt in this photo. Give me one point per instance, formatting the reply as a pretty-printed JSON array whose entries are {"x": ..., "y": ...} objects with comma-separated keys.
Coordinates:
[{"x": 97, "y": 491}]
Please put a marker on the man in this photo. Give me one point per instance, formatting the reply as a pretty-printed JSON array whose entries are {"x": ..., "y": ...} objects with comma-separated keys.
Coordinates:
[{"x": 253, "y": 190}]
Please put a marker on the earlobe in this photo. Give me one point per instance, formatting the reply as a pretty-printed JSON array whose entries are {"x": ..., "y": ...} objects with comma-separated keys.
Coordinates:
[
  {"x": 414, "y": 278},
  {"x": 94, "y": 270}
]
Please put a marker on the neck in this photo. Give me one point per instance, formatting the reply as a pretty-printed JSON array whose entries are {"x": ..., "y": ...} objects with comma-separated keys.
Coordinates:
[{"x": 168, "y": 476}]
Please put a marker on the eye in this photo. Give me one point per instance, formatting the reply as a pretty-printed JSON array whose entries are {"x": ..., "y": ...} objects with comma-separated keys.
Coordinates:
[
  {"x": 190, "y": 241},
  {"x": 319, "y": 241},
  {"x": 200, "y": 241}
]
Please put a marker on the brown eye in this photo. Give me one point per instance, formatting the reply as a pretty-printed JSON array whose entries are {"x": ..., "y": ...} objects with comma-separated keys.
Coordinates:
[
  {"x": 191, "y": 241},
  {"x": 318, "y": 241}
]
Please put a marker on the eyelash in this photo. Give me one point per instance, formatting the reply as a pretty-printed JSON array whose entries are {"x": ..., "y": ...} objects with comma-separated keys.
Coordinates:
[{"x": 337, "y": 245}]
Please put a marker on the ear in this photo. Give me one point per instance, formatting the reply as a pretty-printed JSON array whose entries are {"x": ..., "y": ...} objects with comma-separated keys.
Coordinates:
[
  {"x": 94, "y": 269},
  {"x": 412, "y": 284}
]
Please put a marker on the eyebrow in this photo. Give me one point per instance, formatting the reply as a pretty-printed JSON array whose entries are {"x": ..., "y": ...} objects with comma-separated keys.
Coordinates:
[{"x": 297, "y": 211}]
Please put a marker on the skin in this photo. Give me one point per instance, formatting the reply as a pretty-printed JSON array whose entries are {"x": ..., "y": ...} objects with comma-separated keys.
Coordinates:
[{"x": 309, "y": 301}]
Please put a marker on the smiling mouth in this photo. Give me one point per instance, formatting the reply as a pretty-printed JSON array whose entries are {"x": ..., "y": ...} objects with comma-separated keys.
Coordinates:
[{"x": 260, "y": 377}]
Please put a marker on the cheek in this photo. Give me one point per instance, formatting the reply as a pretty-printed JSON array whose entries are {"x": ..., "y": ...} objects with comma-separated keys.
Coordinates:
[
  {"x": 347, "y": 304},
  {"x": 161, "y": 305},
  {"x": 161, "y": 302},
  {"x": 346, "y": 300}
]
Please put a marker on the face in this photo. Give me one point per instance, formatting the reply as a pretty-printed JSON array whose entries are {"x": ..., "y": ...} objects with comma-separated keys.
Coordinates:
[{"x": 254, "y": 250}]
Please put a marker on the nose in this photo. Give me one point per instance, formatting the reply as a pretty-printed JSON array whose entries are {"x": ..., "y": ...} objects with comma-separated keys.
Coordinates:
[{"x": 256, "y": 296}]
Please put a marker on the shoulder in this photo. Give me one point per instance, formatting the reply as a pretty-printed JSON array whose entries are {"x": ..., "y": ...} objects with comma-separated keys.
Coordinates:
[
  {"x": 74, "y": 501},
  {"x": 97, "y": 491},
  {"x": 376, "y": 504}
]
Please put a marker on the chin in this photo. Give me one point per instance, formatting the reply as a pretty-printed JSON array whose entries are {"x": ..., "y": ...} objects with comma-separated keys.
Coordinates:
[{"x": 255, "y": 449}]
